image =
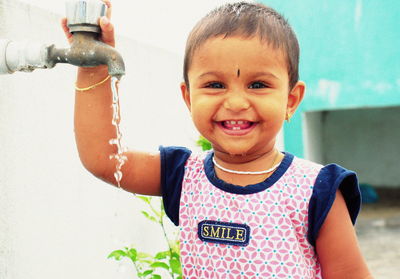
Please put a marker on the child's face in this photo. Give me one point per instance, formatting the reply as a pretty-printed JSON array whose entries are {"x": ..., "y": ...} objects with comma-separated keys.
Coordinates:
[{"x": 239, "y": 94}]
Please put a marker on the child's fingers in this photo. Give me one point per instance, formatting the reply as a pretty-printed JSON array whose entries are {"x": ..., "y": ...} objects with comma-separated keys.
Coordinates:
[
  {"x": 107, "y": 31},
  {"x": 109, "y": 8},
  {"x": 107, "y": 28},
  {"x": 65, "y": 28}
]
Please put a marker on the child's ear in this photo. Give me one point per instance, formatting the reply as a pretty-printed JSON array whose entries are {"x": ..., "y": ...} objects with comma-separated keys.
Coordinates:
[
  {"x": 186, "y": 95},
  {"x": 295, "y": 97}
]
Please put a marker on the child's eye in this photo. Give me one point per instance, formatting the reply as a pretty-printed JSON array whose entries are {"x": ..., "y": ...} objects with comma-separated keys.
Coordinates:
[
  {"x": 257, "y": 85},
  {"x": 216, "y": 85}
]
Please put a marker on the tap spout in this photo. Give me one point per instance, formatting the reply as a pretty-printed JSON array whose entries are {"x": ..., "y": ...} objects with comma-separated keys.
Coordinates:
[{"x": 87, "y": 51}]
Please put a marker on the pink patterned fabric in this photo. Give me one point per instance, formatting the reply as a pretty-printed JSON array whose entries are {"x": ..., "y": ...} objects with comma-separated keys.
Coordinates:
[{"x": 277, "y": 217}]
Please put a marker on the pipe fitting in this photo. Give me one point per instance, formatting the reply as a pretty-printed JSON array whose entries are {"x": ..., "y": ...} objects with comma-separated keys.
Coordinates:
[{"x": 22, "y": 56}]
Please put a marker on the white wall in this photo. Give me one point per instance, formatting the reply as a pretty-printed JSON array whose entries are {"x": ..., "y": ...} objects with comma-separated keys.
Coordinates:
[
  {"x": 364, "y": 140},
  {"x": 156, "y": 22},
  {"x": 56, "y": 220}
]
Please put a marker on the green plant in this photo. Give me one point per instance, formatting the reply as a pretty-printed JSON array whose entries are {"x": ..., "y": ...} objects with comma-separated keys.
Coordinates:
[
  {"x": 146, "y": 265},
  {"x": 204, "y": 143}
]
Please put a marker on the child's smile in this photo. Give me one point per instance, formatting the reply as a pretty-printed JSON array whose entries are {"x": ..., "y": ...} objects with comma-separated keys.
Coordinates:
[
  {"x": 236, "y": 127},
  {"x": 238, "y": 94}
]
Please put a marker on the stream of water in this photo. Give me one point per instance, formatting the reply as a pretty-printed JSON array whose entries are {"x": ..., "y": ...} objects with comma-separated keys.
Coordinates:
[{"x": 117, "y": 141}]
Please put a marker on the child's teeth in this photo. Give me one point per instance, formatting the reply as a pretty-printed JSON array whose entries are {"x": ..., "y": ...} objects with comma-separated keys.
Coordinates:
[{"x": 236, "y": 124}]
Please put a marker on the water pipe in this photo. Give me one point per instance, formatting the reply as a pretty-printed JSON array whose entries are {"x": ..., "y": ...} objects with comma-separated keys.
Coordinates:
[{"x": 85, "y": 51}]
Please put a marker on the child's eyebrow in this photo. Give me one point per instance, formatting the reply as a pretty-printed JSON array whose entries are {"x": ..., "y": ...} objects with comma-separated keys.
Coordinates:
[
  {"x": 268, "y": 74},
  {"x": 257, "y": 74},
  {"x": 212, "y": 73}
]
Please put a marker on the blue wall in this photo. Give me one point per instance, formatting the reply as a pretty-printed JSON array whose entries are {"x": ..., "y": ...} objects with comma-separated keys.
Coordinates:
[{"x": 350, "y": 55}]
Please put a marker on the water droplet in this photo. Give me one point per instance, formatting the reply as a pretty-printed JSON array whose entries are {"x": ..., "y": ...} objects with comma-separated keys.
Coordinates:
[
  {"x": 113, "y": 141},
  {"x": 115, "y": 99},
  {"x": 120, "y": 164},
  {"x": 116, "y": 115},
  {"x": 119, "y": 156},
  {"x": 118, "y": 176}
]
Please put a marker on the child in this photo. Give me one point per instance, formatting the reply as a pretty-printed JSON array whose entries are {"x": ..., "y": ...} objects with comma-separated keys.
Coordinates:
[{"x": 245, "y": 210}]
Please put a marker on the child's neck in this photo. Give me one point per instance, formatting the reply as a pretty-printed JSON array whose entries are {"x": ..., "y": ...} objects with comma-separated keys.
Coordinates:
[{"x": 256, "y": 163}]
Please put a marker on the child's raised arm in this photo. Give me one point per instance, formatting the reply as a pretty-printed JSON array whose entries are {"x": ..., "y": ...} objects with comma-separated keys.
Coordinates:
[
  {"x": 337, "y": 246},
  {"x": 93, "y": 128}
]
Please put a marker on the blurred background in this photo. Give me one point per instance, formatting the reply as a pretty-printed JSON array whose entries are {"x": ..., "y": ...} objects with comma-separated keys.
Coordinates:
[{"x": 57, "y": 221}]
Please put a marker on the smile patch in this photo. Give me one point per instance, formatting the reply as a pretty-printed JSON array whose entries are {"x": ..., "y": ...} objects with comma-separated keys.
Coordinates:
[{"x": 224, "y": 233}]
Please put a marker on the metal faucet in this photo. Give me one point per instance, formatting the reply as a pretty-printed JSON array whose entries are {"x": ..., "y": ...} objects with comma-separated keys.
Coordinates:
[{"x": 85, "y": 51}]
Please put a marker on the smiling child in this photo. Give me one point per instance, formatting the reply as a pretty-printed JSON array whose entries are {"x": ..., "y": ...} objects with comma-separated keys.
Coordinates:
[{"x": 245, "y": 209}]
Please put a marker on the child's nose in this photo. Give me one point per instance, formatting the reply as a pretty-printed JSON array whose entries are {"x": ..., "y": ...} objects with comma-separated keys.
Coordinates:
[{"x": 236, "y": 101}]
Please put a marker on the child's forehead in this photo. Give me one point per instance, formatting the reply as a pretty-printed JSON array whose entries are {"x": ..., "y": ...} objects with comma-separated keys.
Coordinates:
[
  {"x": 238, "y": 57},
  {"x": 238, "y": 38},
  {"x": 239, "y": 48},
  {"x": 240, "y": 41}
]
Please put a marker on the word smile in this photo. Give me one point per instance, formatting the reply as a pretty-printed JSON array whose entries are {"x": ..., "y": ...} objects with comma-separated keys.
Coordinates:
[{"x": 224, "y": 233}]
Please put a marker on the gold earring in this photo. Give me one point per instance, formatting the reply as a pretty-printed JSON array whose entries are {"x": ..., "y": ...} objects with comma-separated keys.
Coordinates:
[{"x": 288, "y": 116}]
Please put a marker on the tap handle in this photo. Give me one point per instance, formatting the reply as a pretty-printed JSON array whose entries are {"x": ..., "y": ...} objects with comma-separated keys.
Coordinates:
[{"x": 83, "y": 15}]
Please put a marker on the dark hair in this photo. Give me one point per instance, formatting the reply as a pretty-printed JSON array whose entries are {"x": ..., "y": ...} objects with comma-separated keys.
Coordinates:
[{"x": 246, "y": 19}]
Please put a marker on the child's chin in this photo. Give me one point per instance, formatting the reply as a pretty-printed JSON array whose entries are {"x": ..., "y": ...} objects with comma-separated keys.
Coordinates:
[
  {"x": 233, "y": 149},
  {"x": 237, "y": 151}
]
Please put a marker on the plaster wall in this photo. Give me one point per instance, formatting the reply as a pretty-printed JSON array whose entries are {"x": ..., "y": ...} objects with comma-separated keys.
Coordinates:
[
  {"x": 349, "y": 59},
  {"x": 364, "y": 140},
  {"x": 313, "y": 144},
  {"x": 56, "y": 220}
]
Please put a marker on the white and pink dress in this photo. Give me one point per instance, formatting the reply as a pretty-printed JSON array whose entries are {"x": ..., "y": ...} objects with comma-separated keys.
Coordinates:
[{"x": 265, "y": 230}]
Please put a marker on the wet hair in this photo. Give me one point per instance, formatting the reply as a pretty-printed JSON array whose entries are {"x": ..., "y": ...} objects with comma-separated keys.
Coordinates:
[{"x": 246, "y": 20}]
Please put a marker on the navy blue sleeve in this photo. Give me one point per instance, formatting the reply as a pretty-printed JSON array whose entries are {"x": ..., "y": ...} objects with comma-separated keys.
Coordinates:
[
  {"x": 331, "y": 178},
  {"x": 173, "y": 161}
]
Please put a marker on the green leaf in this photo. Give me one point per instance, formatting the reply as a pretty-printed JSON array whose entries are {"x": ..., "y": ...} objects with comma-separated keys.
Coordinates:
[
  {"x": 145, "y": 261},
  {"x": 147, "y": 272},
  {"x": 161, "y": 255},
  {"x": 141, "y": 255},
  {"x": 132, "y": 254},
  {"x": 145, "y": 199},
  {"x": 156, "y": 276},
  {"x": 204, "y": 143},
  {"x": 148, "y": 216},
  {"x": 175, "y": 255},
  {"x": 160, "y": 265},
  {"x": 157, "y": 213},
  {"x": 175, "y": 266},
  {"x": 175, "y": 248},
  {"x": 117, "y": 254}
]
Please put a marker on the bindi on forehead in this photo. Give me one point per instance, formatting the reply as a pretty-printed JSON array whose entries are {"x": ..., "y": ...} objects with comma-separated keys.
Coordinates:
[{"x": 238, "y": 72}]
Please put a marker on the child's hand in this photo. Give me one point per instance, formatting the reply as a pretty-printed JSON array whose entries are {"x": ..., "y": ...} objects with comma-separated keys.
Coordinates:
[{"x": 107, "y": 28}]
